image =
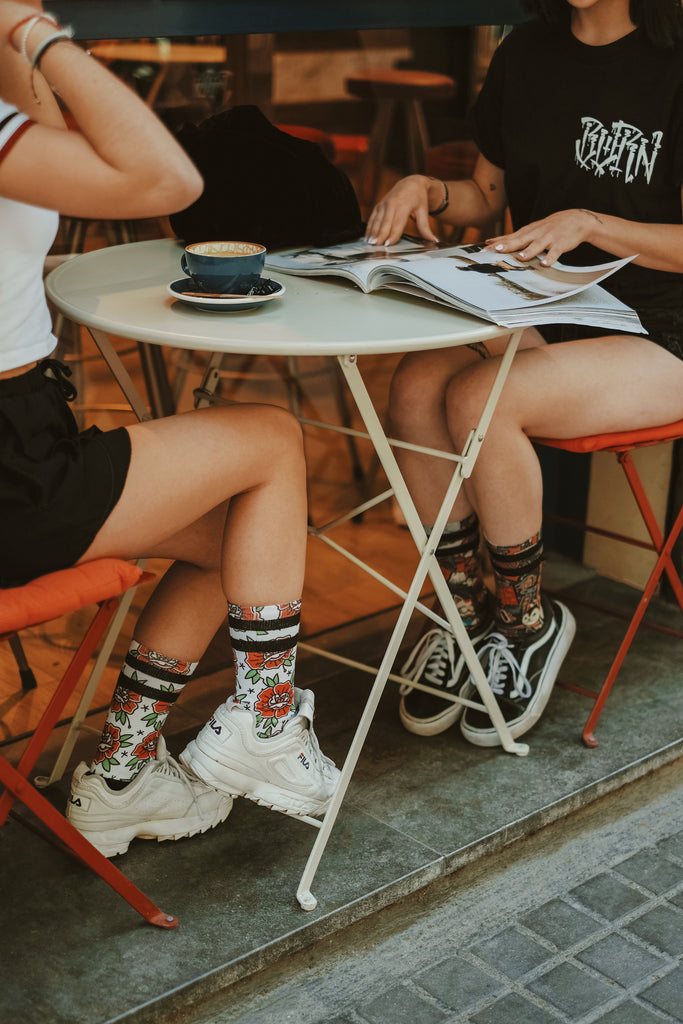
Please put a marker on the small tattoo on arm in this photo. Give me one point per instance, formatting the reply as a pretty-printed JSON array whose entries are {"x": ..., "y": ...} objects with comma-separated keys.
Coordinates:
[
  {"x": 492, "y": 187},
  {"x": 479, "y": 348}
]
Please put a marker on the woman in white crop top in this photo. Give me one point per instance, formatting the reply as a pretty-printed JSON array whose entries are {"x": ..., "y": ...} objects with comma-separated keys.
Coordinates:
[{"x": 220, "y": 492}]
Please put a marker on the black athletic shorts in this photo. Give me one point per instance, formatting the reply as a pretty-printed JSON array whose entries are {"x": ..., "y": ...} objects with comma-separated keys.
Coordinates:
[
  {"x": 664, "y": 327},
  {"x": 57, "y": 486}
]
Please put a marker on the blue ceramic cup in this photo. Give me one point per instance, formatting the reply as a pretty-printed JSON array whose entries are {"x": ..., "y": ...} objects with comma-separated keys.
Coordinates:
[{"x": 226, "y": 267}]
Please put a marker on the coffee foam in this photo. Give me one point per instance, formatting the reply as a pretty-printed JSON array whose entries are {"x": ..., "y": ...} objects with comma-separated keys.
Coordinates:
[{"x": 226, "y": 249}]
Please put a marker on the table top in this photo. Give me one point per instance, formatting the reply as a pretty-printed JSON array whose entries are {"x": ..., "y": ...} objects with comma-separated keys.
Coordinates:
[{"x": 123, "y": 290}]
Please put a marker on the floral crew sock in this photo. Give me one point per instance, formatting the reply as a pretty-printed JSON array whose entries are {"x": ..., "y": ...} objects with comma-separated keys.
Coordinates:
[
  {"x": 263, "y": 640},
  {"x": 517, "y": 574},
  {"x": 148, "y": 686},
  {"x": 459, "y": 555}
]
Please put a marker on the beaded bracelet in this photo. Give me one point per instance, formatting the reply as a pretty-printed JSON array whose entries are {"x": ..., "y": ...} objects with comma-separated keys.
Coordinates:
[
  {"x": 30, "y": 22},
  {"x": 446, "y": 200},
  {"x": 42, "y": 48}
]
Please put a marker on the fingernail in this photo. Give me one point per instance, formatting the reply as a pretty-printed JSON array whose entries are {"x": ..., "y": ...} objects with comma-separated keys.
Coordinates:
[
  {"x": 499, "y": 248},
  {"x": 372, "y": 241}
]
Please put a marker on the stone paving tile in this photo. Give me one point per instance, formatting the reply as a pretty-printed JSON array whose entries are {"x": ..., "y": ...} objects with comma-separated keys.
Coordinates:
[
  {"x": 457, "y": 983},
  {"x": 621, "y": 960},
  {"x": 608, "y": 896},
  {"x": 629, "y": 1013},
  {"x": 572, "y": 990},
  {"x": 667, "y": 994},
  {"x": 400, "y": 1005},
  {"x": 655, "y": 873},
  {"x": 560, "y": 923},
  {"x": 677, "y": 899},
  {"x": 513, "y": 1009},
  {"x": 673, "y": 846},
  {"x": 512, "y": 952},
  {"x": 662, "y": 927}
]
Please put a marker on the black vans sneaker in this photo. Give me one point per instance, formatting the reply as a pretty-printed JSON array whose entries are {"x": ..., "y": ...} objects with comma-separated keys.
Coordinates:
[
  {"x": 521, "y": 676},
  {"x": 437, "y": 661}
]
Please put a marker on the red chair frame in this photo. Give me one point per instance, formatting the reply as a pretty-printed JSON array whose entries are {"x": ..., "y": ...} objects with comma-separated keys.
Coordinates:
[
  {"x": 106, "y": 580},
  {"x": 622, "y": 444}
]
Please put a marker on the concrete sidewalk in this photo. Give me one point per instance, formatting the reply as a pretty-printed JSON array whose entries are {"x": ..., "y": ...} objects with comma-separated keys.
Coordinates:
[{"x": 582, "y": 922}]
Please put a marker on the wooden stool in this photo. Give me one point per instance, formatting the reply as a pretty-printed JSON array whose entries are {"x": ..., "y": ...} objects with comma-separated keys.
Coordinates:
[{"x": 409, "y": 89}]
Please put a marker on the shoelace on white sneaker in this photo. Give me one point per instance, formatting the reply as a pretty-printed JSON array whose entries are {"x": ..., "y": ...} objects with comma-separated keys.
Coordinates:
[
  {"x": 503, "y": 666},
  {"x": 432, "y": 661},
  {"x": 168, "y": 766},
  {"x": 305, "y": 715}
]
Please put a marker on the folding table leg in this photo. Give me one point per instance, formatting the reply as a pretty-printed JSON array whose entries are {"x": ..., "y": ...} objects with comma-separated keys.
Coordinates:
[{"x": 427, "y": 565}]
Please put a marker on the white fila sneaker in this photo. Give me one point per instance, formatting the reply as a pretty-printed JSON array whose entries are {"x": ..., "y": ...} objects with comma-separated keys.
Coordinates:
[
  {"x": 164, "y": 801},
  {"x": 287, "y": 772}
]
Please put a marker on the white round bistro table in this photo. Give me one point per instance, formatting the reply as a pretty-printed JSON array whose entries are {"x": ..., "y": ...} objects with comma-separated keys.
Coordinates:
[{"x": 122, "y": 290}]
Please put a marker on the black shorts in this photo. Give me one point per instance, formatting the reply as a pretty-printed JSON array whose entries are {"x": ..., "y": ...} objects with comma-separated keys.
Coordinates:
[
  {"x": 57, "y": 486},
  {"x": 664, "y": 327}
]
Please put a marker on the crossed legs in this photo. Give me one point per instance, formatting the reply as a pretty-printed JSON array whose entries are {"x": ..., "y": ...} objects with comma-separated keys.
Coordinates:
[{"x": 222, "y": 493}]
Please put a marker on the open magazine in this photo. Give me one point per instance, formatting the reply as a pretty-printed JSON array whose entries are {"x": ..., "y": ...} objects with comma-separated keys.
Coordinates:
[{"x": 486, "y": 284}]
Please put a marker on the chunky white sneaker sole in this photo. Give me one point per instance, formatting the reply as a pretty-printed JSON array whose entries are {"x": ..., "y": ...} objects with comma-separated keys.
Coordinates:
[
  {"x": 287, "y": 772},
  {"x": 163, "y": 802},
  {"x": 564, "y": 630}
]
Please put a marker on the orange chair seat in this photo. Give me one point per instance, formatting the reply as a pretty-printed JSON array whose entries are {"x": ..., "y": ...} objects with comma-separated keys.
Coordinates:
[
  {"x": 67, "y": 590},
  {"x": 620, "y": 441}
]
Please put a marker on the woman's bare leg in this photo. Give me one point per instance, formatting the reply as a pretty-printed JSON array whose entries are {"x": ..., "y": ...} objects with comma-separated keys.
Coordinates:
[
  {"x": 223, "y": 493},
  {"x": 566, "y": 390}
]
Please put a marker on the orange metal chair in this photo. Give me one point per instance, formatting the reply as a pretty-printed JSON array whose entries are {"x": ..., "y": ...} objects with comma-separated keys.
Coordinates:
[
  {"x": 100, "y": 582},
  {"x": 622, "y": 444}
]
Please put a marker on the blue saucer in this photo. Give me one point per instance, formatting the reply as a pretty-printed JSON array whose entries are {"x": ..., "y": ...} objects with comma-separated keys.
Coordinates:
[{"x": 225, "y": 304}]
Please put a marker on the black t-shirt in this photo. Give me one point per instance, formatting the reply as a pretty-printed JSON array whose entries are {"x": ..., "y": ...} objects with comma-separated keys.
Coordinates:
[{"x": 596, "y": 127}]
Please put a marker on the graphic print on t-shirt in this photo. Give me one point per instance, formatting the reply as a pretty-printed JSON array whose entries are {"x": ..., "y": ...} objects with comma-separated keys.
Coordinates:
[{"x": 621, "y": 150}]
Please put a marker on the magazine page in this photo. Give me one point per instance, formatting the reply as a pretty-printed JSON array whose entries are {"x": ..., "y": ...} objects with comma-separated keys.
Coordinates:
[
  {"x": 356, "y": 260},
  {"x": 494, "y": 282}
]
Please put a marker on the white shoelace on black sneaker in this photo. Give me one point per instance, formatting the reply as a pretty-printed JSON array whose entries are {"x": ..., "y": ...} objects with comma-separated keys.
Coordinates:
[
  {"x": 432, "y": 661},
  {"x": 504, "y": 671}
]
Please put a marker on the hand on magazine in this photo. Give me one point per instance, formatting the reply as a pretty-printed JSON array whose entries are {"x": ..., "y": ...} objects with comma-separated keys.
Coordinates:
[
  {"x": 407, "y": 201},
  {"x": 554, "y": 235}
]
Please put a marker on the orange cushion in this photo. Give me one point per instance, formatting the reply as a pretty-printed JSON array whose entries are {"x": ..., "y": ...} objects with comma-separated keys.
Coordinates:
[
  {"x": 65, "y": 591},
  {"x": 620, "y": 441}
]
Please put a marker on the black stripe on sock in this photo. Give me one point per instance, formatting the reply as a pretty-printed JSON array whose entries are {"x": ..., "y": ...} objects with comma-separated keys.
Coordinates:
[
  {"x": 126, "y": 683},
  {"x": 260, "y": 625},
  {"x": 155, "y": 672},
  {"x": 274, "y": 646},
  {"x": 517, "y": 570}
]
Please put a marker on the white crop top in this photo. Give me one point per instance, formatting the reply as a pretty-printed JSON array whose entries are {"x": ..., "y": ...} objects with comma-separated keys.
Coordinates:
[{"x": 26, "y": 234}]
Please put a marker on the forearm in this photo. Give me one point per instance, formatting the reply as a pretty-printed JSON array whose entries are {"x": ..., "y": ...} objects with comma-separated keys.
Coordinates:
[
  {"x": 659, "y": 246},
  {"x": 468, "y": 205},
  {"x": 117, "y": 126}
]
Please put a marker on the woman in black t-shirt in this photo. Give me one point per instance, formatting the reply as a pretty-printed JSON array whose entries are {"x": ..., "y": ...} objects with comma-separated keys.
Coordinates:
[{"x": 580, "y": 130}]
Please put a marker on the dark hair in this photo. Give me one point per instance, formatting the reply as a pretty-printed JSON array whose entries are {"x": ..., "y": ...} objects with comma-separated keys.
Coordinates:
[{"x": 662, "y": 20}]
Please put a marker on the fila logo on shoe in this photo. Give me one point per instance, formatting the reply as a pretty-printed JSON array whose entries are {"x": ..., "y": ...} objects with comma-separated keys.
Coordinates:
[
  {"x": 213, "y": 724},
  {"x": 75, "y": 800},
  {"x": 305, "y": 763}
]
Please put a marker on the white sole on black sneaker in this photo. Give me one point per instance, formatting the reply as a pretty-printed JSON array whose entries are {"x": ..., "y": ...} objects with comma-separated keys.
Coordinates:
[{"x": 561, "y": 642}]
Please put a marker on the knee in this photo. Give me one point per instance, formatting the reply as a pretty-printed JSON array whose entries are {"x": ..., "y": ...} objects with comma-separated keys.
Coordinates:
[
  {"x": 466, "y": 396},
  {"x": 416, "y": 392},
  {"x": 283, "y": 430}
]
